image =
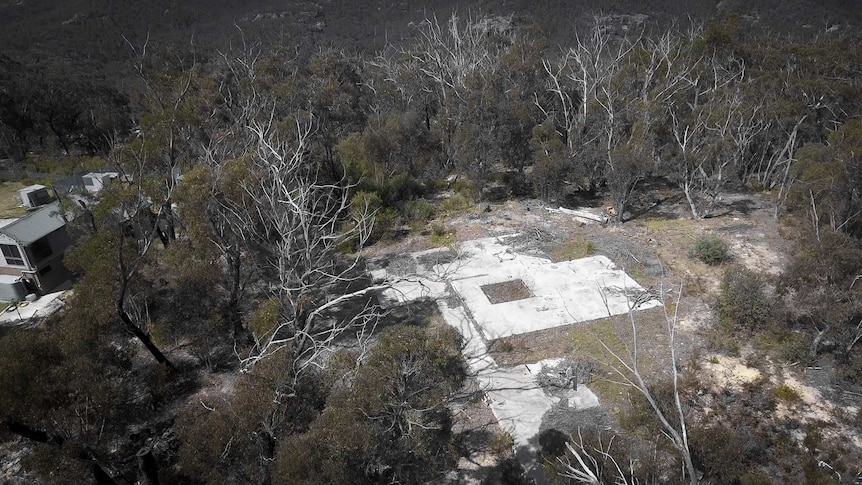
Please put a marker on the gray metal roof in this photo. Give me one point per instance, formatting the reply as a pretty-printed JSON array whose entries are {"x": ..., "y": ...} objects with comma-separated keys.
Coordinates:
[{"x": 35, "y": 225}]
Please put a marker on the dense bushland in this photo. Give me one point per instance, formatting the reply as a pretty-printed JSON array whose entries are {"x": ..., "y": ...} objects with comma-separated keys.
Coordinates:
[{"x": 221, "y": 327}]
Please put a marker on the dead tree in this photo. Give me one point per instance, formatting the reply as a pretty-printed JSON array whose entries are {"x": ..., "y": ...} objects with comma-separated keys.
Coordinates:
[
  {"x": 713, "y": 130},
  {"x": 585, "y": 464},
  {"x": 299, "y": 221},
  {"x": 169, "y": 124},
  {"x": 578, "y": 84},
  {"x": 627, "y": 368},
  {"x": 447, "y": 56}
]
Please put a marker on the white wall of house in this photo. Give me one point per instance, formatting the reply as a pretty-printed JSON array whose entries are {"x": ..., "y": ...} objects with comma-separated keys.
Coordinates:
[
  {"x": 4, "y": 259},
  {"x": 45, "y": 270}
]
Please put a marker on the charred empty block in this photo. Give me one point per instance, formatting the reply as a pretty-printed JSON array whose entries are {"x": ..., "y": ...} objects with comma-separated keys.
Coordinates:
[{"x": 507, "y": 291}]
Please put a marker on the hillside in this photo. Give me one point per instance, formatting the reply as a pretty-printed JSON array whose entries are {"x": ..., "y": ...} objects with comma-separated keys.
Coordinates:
[{"x": 92, "y": 31}]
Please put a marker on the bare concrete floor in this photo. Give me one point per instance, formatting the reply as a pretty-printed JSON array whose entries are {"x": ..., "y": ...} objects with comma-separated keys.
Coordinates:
[
  {"x": 30, "y": 311},
  {"x": 556, "y": 294}
]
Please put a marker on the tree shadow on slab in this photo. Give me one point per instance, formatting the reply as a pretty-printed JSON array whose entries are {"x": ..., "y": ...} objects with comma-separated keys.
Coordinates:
[
  {"x": 418, "y": 313},
  {"x": 557, "y": 427},
  {"x": 552, "y": 442},
  {"x": 507, "y": 471}
]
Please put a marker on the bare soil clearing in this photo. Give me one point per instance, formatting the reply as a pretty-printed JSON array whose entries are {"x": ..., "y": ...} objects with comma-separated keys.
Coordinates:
[{"x": 654, "y": 249}]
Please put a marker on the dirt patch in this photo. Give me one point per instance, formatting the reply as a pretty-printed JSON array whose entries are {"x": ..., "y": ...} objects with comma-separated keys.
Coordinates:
[
  {"x": 506, "y": 291},
  {"x": 729, "y": 372}
]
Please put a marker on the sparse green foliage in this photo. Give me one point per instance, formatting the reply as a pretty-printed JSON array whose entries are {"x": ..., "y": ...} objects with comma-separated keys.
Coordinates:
[
  {"x": 551, "y": 165},
  {"x": 787, "y": 394},
  {"x": 382, "y": 218},
  {"x": 721, "y": 450},
  {"x": 418, "y": 212},
  {"x": 456, "y": 204},
  {"x": 711, "y": 249},
  {"x": 441, "y": 235},
  {"x": 389, "y": 422},
  {"x": 744, "y": 303},
  {"x": 264, "y": 318},
  {"x": 575, "y": 249}
]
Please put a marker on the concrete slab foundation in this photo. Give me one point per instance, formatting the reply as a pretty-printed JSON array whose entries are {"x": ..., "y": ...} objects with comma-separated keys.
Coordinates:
[{"x": 564, "y": 293}]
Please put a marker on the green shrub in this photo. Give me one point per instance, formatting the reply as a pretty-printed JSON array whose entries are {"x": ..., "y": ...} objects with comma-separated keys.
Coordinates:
[
  {"x": 364, "y": 202},
  {"x": 264, "y": 318},
  {"x": 418, "y": 211},
  {"x": 575, "y": 249},
  {"x": 850, "y": 370},
  {"x": 456, "y": 203},
  {"x": 392, "y": 190},
  {"x": 787, "y": 394},
  {"x": 720, "y": 339},
  {"x": 399, "y": 189},
  {"x": 795, "y": 348},
  {"x": 711, "y": 249},
  {"x": 743, "y": 302},
  {"x": 466, "y": 188},
  {"x": 440, "y": 236},
  {"x": 502, "y": 443},
  {"x": 721, "y": 451},
  {"x": 369, "y": 203},
  {"x": 754, "y": 477}
]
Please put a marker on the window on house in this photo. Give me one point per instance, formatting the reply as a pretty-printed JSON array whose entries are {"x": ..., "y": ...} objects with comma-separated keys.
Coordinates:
[
  {"x": 45, "y": 270},
  {"x": 41, "y": 249},
  {"x": 12, "y": 255}
]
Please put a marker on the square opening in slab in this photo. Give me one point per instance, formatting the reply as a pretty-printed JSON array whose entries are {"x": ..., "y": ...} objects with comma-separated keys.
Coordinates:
[{"x": 506, "y": 291}]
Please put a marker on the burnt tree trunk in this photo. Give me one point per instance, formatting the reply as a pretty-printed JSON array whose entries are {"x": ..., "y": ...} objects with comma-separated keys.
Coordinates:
[
  {"x": 232, "y": 313},
  {"x": 33, "y": 434},
  {"x": 143, "y": 337},
  {"x": 267, "y": 455},
  {"x": 149, "y": 470},
  {"x": 130, "y": 325},
  {"x": 101, "y": 476}
]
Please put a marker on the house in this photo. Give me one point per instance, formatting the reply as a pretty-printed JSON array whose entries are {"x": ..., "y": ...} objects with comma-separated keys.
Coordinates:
[
  {"x": 88, "y": 184},
  {"x": 94, "y": 182},
  {"x": 35, "y": 196},
  {"x": 32, "y": 248}
]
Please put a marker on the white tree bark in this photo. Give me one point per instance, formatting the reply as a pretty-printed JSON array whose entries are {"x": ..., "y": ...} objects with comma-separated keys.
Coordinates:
[{"x": 628, "y": 369}]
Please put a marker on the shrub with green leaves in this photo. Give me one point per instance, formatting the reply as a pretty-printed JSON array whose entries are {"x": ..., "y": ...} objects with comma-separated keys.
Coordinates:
[
  {"x": 711, "y": 249},
  {"x": 455, "y": 204},
  {"x": 389, "y": 422},
  {"x": 721, "y": 451},
  {"x": 787, "y": 394},
  {"x": 418, "y": 211},
  {"x": 743, "y": 302},
  {"x": 441, "y": 236},
  {"x": 365, "y": 204}
]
